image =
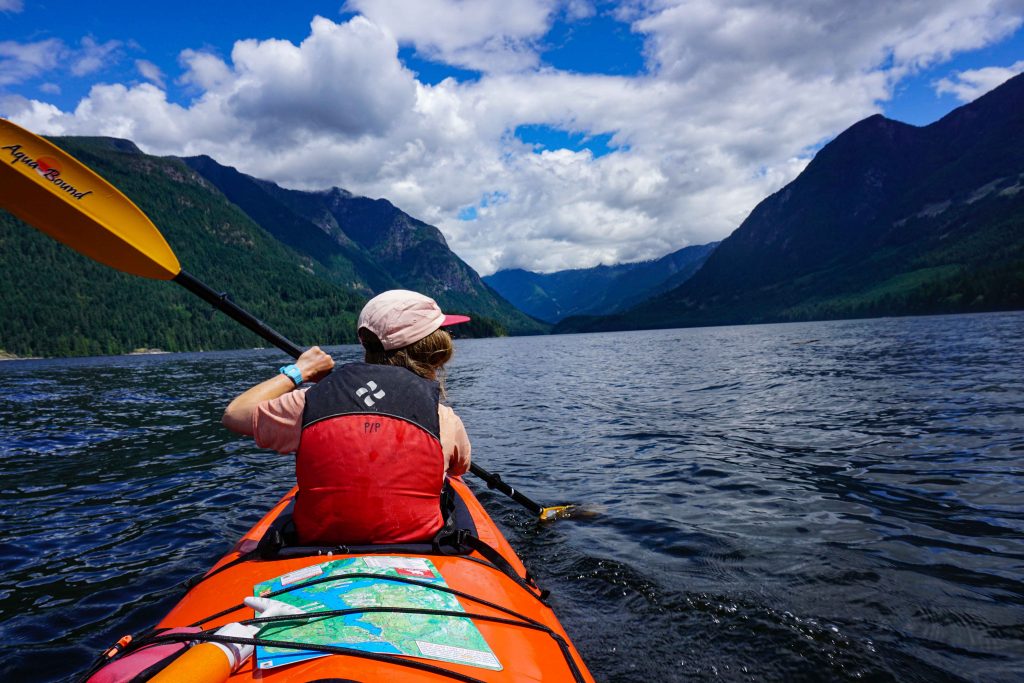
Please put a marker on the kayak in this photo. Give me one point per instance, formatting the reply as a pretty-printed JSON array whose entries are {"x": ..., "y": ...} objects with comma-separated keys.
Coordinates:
[{"x": 461, "y": 608}]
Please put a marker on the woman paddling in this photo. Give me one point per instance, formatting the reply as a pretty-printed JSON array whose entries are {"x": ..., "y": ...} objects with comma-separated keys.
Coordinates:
[
  {"x": 372, "y": 441},
  {"x": 373, "y": 445}
]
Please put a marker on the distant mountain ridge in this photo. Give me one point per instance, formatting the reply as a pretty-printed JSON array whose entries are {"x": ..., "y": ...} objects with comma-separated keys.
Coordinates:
[
  {"x": 598, "y": 290},
  {"x": 887, "y": 219}
]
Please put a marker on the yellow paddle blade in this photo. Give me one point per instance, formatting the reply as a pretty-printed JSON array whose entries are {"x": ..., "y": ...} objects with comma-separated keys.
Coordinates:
[
  {"x": 556, "y": 512},
  {"x": 54, "y": 192},
  {"x": 571, "y": 511}
]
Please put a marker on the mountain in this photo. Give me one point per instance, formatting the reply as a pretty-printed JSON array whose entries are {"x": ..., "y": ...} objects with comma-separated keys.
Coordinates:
[
  {"x": 366, "y": 244},
  {"x": 887, "y": 219},
  {"x": 58, "y": 303},
  {"x": 305, "y": 282},
  {"x": 599, "y": 290},
  {"x": 346, "y": 263}
]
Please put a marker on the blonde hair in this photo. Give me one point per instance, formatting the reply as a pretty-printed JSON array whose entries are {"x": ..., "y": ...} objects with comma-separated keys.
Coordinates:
[{"x": 425, "y": 357}]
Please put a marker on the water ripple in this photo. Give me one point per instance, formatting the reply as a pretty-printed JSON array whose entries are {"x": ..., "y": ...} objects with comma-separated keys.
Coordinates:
[{"x": 819, "y": 501}]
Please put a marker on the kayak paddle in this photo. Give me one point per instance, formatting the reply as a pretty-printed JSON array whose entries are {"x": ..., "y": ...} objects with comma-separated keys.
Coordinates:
[
  {"x": 54, "y": 192},
  {"x": 494, "y": 481}
]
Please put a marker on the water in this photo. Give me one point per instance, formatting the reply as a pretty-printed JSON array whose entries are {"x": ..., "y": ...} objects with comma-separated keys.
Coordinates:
[{"x": 818, "y": 501}]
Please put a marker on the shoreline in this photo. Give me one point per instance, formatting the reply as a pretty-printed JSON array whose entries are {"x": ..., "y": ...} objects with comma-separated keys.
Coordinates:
[{"x": 4, "y": 355}]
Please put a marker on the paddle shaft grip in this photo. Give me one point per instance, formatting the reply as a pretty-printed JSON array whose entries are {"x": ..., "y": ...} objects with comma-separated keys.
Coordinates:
[
  {"x": 494, "y": 481},
  {"x": 221, "y": 301}
]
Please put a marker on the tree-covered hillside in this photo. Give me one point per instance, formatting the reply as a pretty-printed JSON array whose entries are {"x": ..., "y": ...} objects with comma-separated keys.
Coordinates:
[{"x": 55, "y": 302}]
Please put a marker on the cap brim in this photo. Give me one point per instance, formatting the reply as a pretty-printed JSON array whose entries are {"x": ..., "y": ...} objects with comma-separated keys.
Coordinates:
[{"x": 455, "y": 320}]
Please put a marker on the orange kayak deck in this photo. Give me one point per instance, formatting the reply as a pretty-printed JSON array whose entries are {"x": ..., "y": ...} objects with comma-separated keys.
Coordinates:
[{"x": 524, "y": 653}]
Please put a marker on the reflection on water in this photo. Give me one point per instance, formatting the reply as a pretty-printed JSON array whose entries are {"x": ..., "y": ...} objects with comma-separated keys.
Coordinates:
[{"x": 833, "y": 501}]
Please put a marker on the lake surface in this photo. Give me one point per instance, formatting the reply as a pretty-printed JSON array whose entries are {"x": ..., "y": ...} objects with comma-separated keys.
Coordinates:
[{"x": 816, "y": 501}]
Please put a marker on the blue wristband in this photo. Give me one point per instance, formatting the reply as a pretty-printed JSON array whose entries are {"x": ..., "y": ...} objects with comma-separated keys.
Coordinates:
[{"x": 293, "y": 373}]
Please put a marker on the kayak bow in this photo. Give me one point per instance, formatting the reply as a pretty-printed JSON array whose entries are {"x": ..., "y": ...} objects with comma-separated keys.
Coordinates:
[{"x": 463, "y": 610}]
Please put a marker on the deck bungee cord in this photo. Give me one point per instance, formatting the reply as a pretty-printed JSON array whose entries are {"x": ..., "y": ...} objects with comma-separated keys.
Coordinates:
[
  {"x": 149, "y": 637},
  {"x": 211, "y": 637},
  {"x": 362, "y": 575}
]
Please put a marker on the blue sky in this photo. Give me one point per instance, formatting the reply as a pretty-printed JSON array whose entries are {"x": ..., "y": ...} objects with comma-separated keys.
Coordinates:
[
  {"x": 158, "y": 32},
  {"x": 562, "y": 134}
]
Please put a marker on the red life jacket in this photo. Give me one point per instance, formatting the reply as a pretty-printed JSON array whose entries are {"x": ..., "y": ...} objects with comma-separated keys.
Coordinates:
[{"x": 369, "y": 464}]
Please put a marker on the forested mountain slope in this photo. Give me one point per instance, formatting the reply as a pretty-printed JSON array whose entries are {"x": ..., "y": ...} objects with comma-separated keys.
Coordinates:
[{"x": 56, "y": 302}]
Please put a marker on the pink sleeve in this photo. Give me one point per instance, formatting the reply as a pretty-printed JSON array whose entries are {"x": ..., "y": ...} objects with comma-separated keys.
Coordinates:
[
  {"x": 454, "y": 441},
  {"x": 277, "y": 423}
]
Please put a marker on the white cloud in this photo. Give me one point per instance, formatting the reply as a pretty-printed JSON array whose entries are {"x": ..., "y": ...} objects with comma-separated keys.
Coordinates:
[
  {"x": 39, "y": 117},
  {"x": 579, "y": 9},
  {"x": 13, "y": 6},
  {"x": 22, "y": 61},
  {"x": 808, "y": 38},
  {"x": 203, "y": 70},
  {"x": 343, "y": 83},
  {"x": 93, "y": 56},
  {"x": 50, "y": 88},
  {"x": 736, "y": 97},
  {"x": 151, "y": 72},
  {"x": 970, "y": 85},
  {"x": 343, "y": 79},
  {"x": 484, "y": 35}
]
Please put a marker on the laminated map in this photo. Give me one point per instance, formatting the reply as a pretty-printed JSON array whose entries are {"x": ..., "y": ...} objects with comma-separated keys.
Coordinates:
[{"x": 442, "y": 638}]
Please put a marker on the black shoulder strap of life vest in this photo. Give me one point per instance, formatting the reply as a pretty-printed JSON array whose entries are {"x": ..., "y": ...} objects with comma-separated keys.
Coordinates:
[{"x": 385, "y": 390}]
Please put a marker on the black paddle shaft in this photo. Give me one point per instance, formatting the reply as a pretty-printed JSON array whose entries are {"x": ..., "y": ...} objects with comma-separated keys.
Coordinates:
[
  {"x": 221, "y": 301},
  {"x": 494, "y": 481}
]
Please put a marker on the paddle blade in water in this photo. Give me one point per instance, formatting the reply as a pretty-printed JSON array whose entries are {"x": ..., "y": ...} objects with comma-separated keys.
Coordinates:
[
  {"x": 54, "y": 192},
  {"x": 569, "y": 511}
]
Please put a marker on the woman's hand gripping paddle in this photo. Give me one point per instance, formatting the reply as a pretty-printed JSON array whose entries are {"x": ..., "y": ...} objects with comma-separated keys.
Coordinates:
[{"x": 54, "y": 192}]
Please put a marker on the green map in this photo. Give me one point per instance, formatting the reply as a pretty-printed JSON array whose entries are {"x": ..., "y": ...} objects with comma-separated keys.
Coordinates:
[{"x": 447, "y": 639}]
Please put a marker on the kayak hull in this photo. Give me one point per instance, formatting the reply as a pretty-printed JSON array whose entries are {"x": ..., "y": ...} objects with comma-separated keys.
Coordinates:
[{"x": 525, "y": 654}]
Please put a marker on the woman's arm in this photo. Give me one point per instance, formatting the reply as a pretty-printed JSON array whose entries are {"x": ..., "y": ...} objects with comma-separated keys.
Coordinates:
[
  {"x": 314, "y": 365},
  {"x": 454, "y": 442}
]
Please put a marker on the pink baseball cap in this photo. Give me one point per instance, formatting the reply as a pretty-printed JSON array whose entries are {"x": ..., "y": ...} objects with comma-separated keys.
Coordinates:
[{"x": 399, "y": 317}]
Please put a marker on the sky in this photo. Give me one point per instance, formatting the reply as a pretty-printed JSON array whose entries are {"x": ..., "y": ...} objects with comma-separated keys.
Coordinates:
[{"x": 536, "y": 134}]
